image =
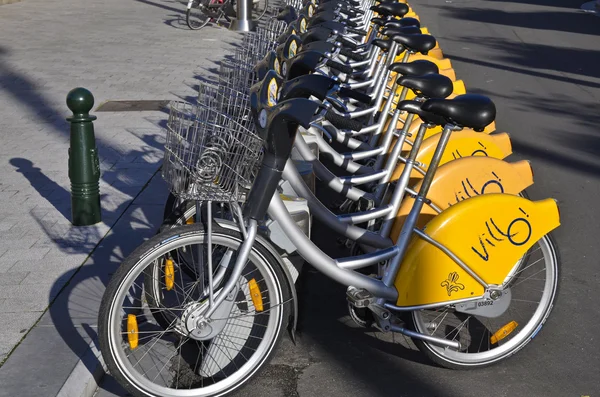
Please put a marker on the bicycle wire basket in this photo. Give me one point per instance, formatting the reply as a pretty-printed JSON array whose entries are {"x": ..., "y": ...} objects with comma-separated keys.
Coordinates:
[
  {"x": 255, "y": 47},
  {"x": 236, "y": 73},
  {"x": 228, "y": 100},
  {"x": 208, "y": 155},
  {"x": 272, "y": 30}
]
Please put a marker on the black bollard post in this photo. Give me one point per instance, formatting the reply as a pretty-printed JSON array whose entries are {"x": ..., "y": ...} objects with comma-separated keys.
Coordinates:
[{"x": 84, "y": 166}]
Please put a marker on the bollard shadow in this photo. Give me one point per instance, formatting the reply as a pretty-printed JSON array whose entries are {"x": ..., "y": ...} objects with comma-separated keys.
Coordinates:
[
  {"x": 131, "y": 212},
  {"x": 45, "y": 186}
]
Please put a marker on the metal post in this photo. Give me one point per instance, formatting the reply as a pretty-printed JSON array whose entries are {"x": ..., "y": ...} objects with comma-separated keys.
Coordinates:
[
  {"x": 84, "y": 166},
  {"x": 244, "y": 21}
]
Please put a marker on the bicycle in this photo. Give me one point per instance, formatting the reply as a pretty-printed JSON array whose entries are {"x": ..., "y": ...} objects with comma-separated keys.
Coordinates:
[
  {"x": 228, "y": 312},
  {"x": 200, "y": 12}
]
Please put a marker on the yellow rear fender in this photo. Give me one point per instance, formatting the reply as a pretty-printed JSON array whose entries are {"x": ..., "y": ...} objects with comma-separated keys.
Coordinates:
[
  {"x": 464, "y": 178},
  {"x": 441, "y": 63},
  {"x": 466, "y": 143},
  {"x": 490, "y": 233}
]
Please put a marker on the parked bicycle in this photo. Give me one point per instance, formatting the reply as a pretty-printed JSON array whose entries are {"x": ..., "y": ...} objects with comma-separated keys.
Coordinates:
[
  {"x": 200, "y": 12},
  {"x": 462, "y": 262}
]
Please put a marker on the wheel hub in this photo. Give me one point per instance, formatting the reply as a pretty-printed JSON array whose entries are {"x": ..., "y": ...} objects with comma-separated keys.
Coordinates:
[{"x": 192, "y": 322}]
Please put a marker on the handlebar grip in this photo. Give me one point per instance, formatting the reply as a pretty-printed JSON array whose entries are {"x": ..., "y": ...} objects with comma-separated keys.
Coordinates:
[
  {"x": 359, "y": 96},
  {"x": 341, "y": 122},
  {"x": 355, "y": 57},
  {"x": 340, "y": 67}
]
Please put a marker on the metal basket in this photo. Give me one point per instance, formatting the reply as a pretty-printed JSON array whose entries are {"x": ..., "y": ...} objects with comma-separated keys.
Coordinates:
[
  {"x": 228, "y": 100},
  {"x": 236, "y": 73},
  {"x": 208, "y": 155},
  {"x": 272, "y": 30},
  {"x": 255, "y": 47}
]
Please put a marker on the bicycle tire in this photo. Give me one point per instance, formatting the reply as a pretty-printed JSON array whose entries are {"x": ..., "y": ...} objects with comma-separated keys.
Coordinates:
[
  {"x": 438, "y": 355},
  {"x": 189, "y": 17},
  {"x": 108, "y": 339}
]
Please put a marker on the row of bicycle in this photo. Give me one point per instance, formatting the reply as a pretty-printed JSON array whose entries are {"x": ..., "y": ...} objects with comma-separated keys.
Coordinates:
[{"x": 446, "y": 247}]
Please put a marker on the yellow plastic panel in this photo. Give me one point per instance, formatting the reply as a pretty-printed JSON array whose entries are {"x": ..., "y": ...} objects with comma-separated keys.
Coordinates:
[
  {"x": 464, "y": 178},
  {"x": 490, "y": 233},
  {"x": 461, "y": 144},
  {"x": 467, "y": 143},
  {"x": 441, "y": 63},
  {"x": 436, "y": 53}
]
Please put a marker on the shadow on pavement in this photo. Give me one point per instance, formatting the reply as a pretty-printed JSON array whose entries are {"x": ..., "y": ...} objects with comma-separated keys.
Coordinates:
[{"x": 574, "y": 21}]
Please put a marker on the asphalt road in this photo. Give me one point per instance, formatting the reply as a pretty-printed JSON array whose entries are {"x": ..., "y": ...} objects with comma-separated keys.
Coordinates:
[{"x": 540, "y": 64}]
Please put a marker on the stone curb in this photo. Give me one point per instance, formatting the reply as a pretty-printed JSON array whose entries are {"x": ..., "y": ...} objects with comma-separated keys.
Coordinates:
[{"x": 81, "y": 382}]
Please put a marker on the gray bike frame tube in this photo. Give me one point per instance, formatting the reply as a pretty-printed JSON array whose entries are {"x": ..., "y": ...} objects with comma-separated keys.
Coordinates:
[
  {"x": 402, "y": 184},
  {"x": 390, "y": 99},
  {"x": 361, "y": 179},
  {"x": 452, "y": 256},
  {"x": 244, "y": 252},
  {"x": 325, "y": 175},
  {"x": 290, "y": 174},
  {"x": 411, "y": 220},
  {"x": 363, "y": 155},
  {"x": 339, "y": 160},
  {"x": 366, "y": 215},
  {"x": 321, "y": 261},
  {"x": 357, "y": 262},
  {"x": 392, "y": 163}
]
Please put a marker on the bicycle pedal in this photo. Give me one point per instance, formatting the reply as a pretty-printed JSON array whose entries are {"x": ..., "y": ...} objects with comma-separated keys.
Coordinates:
[{"x": 359, "y": 297}]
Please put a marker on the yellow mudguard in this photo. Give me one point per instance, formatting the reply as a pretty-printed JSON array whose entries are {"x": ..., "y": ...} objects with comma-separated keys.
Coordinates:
[
  {"x": 442, "y": 64},
  {"x": 461, "y": 144},
  {"x": 467, "y": 143},
  {"x": 489, "y": 233},
  {"x": 461, "y": 179}
]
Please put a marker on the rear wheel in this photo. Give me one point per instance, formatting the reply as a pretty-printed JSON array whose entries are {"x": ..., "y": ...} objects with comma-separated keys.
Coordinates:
[{"x": 486, "y": 340}]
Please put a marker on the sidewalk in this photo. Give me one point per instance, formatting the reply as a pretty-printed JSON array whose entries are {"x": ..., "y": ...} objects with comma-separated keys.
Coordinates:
[{"x": 119, "y": 50}]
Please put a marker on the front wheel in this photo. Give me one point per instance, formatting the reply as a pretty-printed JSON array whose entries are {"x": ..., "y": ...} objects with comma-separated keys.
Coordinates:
[
  {"x": 182, "y": 355},
  {"x": 486, "y": 340},
  {"x": 195, "y": 16}
]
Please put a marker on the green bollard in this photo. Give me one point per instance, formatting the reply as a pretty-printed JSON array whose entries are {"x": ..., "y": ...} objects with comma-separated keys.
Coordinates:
[{"x": 84, "y": 166}]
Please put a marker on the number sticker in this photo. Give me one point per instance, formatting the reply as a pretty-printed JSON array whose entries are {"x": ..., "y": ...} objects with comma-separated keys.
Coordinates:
[{"x": 311, "y": 10}]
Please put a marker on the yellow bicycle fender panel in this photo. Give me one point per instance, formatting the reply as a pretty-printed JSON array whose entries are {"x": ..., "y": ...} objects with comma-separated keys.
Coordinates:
[
  {"x": 467, "y": 143},
  {"x": 490, "y": 233},
  {"x": 442, "y": 64},
  {"x": 436, "y": 53},
  {"x": 464, "y": 178}
]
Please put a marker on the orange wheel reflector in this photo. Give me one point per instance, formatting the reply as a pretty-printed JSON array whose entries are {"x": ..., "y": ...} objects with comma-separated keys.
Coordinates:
[
  {"x": 256, "y": 295},
  {"x": 503, "y": 332},
  {"x": 169, "y": 274},
  {"x": 132, "y": 331},
  {"x": 189, "y": 221}
]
